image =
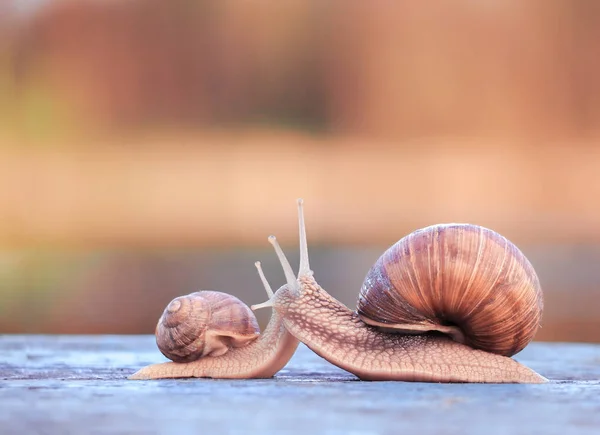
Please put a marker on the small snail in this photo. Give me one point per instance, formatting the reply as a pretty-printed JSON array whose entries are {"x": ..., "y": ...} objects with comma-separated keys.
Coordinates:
[
  {"x": 210, "y": 334},
  {"x": 447, "y": 303}
]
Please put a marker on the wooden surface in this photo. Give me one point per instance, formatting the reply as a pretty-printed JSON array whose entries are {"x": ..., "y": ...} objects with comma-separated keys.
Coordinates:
[{"x": 77, "y": 385}]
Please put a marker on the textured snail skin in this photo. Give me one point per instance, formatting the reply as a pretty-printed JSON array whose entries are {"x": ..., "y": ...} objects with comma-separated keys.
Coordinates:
[
  {"x": 338, "y": 335},
  {"x": 262, "y": 358}
]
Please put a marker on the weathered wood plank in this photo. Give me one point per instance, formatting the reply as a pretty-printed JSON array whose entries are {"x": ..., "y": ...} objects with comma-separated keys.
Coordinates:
[{"x": 77, "y": 384}]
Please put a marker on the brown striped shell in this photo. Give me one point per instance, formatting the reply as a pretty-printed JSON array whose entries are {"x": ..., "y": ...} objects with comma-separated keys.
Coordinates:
[
  {"x": 205, "y": 323},
  {"x": 460, "y": 279}
]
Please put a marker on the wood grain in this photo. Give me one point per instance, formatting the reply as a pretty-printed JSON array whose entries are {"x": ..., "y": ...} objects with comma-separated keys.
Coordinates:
[{"x": 76, "y": 384}]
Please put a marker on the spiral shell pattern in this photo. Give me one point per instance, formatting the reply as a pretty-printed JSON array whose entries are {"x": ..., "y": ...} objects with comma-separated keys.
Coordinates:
[
  {"x": 455, "y": 277},
  {"x": 205, "y": 323}
]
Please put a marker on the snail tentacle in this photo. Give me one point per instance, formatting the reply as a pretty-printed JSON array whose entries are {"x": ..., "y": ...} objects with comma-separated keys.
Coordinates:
[
  {"x": 261, "y": 274},
  {"x": 304, "y": 268}
]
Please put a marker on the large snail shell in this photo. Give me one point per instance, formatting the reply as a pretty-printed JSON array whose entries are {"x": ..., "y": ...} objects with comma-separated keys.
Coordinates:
[
  {"x": 205, "y": 323},
  {"x": 464, "y": 280}
]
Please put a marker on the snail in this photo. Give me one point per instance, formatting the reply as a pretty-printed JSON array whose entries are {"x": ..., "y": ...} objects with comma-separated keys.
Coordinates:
[
  {"x": 446, "y": 303},
  {"x": 210, "y": 334}
]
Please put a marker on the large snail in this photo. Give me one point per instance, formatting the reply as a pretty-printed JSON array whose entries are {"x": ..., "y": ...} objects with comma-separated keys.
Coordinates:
[{"x": 446, "y": 303}]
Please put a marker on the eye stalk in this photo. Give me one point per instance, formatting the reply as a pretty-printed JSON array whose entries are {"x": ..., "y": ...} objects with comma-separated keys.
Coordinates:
[{"x": 303, "y": 269}]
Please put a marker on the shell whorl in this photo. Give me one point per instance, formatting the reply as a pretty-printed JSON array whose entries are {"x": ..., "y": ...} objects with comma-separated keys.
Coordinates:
[
  {"x": 464, "y": 280},
  {"x": 205, "y": 323}
]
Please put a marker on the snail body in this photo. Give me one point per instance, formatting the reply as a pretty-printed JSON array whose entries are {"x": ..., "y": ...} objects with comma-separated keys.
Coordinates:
[
  {"x": 211, "y": 334},
  {"x": 447, "y": 303}
]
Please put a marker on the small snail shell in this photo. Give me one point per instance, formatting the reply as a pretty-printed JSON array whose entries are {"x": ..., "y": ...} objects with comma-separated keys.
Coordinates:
[
  {"x": 464, "y": 280},
  {"x": 204, "y": 323}
]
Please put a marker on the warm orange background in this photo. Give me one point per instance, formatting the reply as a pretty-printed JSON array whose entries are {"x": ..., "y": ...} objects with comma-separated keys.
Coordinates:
[{"x": 148, "y": 148}]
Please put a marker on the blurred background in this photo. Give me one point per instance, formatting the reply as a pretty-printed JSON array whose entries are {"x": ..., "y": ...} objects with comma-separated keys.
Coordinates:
[{"x": 148, "y": 148}]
